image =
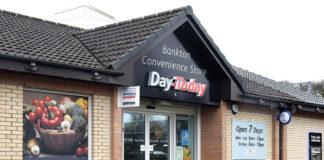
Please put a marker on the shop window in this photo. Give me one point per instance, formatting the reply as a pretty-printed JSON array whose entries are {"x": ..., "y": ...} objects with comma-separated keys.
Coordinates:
[
  {"x": 56, "y": 125},
  {"x": 184, "y": 137}
]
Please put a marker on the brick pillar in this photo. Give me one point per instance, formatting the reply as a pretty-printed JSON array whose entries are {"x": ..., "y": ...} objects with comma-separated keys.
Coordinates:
[
  {"x": 100, "y": 124},
  {"x": 275, "y": 136},
  {"x": 11, "y": 121},
  {"x": 213, "y": 132},
  {"x": 116, "y": 129}
]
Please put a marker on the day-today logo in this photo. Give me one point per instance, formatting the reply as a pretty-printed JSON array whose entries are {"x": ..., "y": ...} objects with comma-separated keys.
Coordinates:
[{"x": 177, "y": 82}]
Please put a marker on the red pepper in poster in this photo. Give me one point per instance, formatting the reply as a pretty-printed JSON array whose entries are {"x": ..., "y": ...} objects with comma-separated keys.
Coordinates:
[{"x": 56, "y": 119}]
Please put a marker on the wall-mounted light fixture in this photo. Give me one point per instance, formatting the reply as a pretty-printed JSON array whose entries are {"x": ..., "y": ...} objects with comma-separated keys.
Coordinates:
[
  {"x": 96, "y": 76},
  {"x": 283, "y": 105},
  {"x": 294, "y": 108},
  {"x": 272, "y": 107},
  {"x": 33, "y": 67},
  {"x": 235, "y": 108},
  {"x": 151, "y": 105}
]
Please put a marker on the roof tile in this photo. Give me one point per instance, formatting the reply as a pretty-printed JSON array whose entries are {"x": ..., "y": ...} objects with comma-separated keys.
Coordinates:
[
  {"x": 110, "y": 43},
  {"x": 32, "y": 38},
  {"x": 262, "y": 86},
  {"x": 35, "y": 39}
]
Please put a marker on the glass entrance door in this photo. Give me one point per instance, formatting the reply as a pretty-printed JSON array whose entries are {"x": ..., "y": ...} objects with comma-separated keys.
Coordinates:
[
  {"x": 134, "y": 136},
  {"x": 159, "y": 137},
  {"x": 146, "y": 136}
]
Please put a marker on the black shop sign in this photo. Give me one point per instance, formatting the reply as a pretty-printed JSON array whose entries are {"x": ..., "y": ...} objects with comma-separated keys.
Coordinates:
[
  {"x": 180, "y": 70},
  {"x": 315, "y": 139}
]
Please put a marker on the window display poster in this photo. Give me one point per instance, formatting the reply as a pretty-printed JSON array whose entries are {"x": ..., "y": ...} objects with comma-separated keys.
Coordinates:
[
  {"x": 55, "y": 126},
  {"x": 185, "y": 137},
  {"x": 179, "y": 153},
  {"x": 186, "y": 153},
  {"x": 249, "y": 140}
]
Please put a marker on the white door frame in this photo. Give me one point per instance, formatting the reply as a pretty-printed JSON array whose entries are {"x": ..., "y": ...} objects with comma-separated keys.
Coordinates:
[
  {"x": 147, "y": 135},
  {"x": 171, "y": 110}
]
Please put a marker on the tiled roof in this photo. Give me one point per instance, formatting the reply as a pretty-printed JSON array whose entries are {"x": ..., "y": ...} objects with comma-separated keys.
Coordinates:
[
  {"x": 261, "y": 86},
  {"x": 36, "y": 39},
  {"x": 110, "y": 43}
]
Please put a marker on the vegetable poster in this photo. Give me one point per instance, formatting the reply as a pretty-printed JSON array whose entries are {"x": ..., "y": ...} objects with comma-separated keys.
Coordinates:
[{"x": 55, "y": 126}]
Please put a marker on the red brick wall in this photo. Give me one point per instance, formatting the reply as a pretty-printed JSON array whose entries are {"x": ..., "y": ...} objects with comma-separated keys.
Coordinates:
[
  {"x": 116, "y": 129},
  {"x": 275, "y": 136},
  {"x": 213, "y": 132}
]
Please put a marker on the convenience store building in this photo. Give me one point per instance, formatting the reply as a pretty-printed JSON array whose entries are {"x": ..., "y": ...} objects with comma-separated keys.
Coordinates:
[{"x": 193, "y": 103}]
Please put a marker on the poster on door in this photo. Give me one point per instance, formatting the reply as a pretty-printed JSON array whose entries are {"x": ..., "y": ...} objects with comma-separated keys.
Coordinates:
[
  {"x": 186, "y": 153},
  {"x": 185, "y": 137},
  {"x": 249, "y": 140},
  {"x": 179, "y": 153}
]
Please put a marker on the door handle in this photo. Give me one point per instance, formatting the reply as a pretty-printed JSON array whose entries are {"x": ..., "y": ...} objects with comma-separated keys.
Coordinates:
[
  {"x": 142, "y": 148},
  {"x": 150, "y": 148}
]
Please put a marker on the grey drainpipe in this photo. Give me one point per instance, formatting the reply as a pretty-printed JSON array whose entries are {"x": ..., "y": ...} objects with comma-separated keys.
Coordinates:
[{"x": 280, "y": 140}]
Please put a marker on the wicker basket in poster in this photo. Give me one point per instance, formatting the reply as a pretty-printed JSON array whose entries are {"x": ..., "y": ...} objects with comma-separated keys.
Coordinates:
[{"x": 60, "y": 142}]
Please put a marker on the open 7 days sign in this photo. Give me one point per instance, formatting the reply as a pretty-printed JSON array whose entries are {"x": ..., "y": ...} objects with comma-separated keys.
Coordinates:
[
  {"x": 249, "y": 140},
  {"x": 177, "y": 82}
]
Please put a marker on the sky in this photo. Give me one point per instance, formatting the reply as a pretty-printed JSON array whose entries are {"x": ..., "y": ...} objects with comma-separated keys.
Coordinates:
[{"x": 279, "y": 39}]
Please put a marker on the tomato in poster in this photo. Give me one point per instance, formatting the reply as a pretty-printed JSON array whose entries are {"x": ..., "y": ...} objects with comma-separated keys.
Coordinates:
[
  {"x": 85, "y": 151},
  {"x": 38, "y": 111},
  {"x": 47, "y": 99},
  {"x": 41, "y": 104},
  {"x": 32, "y": 117},
  {"x": 35, "y": 102},
  {"x": 79, "y": 152}
]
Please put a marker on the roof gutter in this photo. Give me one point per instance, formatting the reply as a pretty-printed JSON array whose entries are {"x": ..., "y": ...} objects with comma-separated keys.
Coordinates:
[
  {"x": 283, "y": 101},
  {"x": 61, "y": 65},
  {"x": 41, "y": 68}
]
